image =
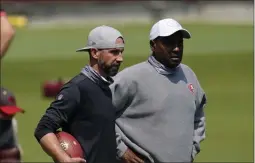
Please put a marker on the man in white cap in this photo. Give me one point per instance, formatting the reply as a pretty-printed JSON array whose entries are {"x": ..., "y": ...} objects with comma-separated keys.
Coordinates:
[
  {"x": 83, "y": 106},
  {"x": 162, "y": 103}
]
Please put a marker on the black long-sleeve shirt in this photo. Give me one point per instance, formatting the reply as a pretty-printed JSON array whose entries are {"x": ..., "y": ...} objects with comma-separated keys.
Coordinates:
[{"x": 84, "y": 109}]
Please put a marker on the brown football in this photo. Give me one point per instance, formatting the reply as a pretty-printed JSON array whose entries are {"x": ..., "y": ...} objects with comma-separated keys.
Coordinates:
[{"x": 69, "y": 144}]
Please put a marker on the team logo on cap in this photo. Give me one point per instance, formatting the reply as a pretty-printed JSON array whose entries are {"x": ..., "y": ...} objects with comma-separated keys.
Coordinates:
[{"x": 191, "y": 88}]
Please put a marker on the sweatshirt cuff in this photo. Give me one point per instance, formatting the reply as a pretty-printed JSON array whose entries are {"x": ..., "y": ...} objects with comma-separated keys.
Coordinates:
[
  {"x": 39, "y": 133},
  {"x": 121, "y": 149}
]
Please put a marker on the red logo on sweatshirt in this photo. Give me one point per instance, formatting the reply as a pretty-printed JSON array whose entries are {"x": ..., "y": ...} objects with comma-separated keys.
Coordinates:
[{"x": 191, "y": 88}]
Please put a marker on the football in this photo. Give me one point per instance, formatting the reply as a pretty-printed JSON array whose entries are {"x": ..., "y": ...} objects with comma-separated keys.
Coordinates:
[{"x": 69, "y": 144}]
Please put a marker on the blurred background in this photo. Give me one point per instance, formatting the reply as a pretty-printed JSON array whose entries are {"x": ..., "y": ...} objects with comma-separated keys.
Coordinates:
[{"x": 220, "y": 52}]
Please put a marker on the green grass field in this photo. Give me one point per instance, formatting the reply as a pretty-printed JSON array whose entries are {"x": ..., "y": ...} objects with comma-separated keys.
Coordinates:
[{"x": 221, "y": 56}]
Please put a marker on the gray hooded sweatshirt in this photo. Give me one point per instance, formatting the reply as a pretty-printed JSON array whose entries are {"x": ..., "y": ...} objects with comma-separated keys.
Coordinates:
[{"x": 162, "y": 117}]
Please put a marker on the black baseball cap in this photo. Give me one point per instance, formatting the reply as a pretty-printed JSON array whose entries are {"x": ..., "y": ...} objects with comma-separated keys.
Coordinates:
[{"x": 8, "y": 102}]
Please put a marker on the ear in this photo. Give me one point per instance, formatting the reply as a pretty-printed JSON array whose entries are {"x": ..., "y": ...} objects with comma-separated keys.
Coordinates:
[
  {"x": 94, "y": 53},
  {"x": 152, "y": 45}
]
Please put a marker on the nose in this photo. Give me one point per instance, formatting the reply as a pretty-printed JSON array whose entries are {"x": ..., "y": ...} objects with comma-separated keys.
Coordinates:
[
  {"x": 176, "y": 49},
  {"x": 120, "y": 58}
]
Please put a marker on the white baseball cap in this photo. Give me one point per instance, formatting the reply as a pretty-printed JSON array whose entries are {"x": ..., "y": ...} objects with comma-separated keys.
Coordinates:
[
  {"x": 102, "y": 37},
  {"x": 167, "y": 27}
]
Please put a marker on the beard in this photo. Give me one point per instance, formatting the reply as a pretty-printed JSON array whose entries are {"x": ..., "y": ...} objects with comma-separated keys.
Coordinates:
[
  {"x": 109, "y": 70},
  {"x": 112, "y": 70}
]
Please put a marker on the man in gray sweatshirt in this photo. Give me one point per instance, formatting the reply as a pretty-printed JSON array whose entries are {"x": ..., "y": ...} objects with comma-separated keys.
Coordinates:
[{"x": 160, "y": 102}]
